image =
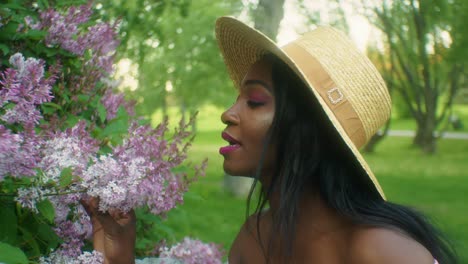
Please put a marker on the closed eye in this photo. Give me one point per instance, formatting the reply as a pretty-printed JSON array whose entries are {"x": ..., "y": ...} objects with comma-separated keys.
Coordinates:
[{"x": 254, "y": 104}]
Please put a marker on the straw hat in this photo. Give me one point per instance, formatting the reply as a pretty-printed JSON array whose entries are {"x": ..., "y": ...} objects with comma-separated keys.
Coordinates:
[{"x": 344, "y": 81}]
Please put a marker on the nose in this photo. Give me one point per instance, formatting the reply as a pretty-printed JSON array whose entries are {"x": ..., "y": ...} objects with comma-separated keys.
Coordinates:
[{"x": 230, "y": 116}]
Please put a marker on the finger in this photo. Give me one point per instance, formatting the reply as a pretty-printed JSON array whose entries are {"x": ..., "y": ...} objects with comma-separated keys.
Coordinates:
[{"x": 90, "y": 204}]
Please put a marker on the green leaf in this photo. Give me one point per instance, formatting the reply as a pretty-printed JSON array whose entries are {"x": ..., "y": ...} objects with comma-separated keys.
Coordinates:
[
  {"x": 43, "y": 4},
  {"x": 64, "y": 3},
  {"x": 11, "y": 255},
  {"x": 48, "y": 108},
  {"x": 54, "y": 105},
  {"x": 8, "y": 31},
  {"x": 47, "y": 234},
  {"x": 71, "y": 120},
  {"x": 4, "y": 48},
  {"x": 8, "y": 223},
  {"x": 47, "y": 210},
  {"x": 116, "y": 127},
  {"x": 33, "y": 34},
  {"x": 66, "y": 177},
  {"x": 102, "y": 112},
  {"x": 29, "y": 239},
  {"x": 83, "y": 97},
  {"x": 14, "y": 6}
]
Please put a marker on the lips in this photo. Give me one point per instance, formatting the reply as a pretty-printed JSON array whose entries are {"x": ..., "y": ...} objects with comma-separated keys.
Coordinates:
[{"x": 233, "y": 144}]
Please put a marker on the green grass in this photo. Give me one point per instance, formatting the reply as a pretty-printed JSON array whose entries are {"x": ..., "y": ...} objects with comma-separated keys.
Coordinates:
[
  {"x": 436, "y": 185},
  {"x": 409, "y": 124}
]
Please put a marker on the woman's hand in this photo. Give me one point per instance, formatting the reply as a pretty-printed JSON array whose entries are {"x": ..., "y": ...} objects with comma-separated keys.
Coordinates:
[{"x": 114, "y": 233}]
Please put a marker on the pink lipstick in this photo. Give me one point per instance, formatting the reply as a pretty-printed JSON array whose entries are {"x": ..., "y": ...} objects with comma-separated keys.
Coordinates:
[{"x": 233, "y": 144}]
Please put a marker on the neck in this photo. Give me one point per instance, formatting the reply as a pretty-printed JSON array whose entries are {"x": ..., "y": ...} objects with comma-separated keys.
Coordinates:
[{"x": 313, "y": 212}]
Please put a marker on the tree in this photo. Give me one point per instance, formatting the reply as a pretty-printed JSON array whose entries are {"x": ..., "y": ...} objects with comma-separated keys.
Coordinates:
[
  {"x": 267, "y": 16},
  {"x": 140, "y": 32},
  {"x": 190, "y": 57},
  {"x": 423, "y": 40},
  {"x": 172, "y": 44},
  {"x": 335, "y": 14}
]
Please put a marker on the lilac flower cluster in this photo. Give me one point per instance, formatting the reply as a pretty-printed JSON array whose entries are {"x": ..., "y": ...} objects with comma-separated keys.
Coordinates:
[
  {"x": 193, "y": 251},
  {"x": 67, "y": 32},
  {"x": 139, "y": 172},
  {"x": 23, "y": 87},
  {"x": 73, "y": 149},
  {"x": 136, "y": 173},
  {"x": 63, "y": 30}
]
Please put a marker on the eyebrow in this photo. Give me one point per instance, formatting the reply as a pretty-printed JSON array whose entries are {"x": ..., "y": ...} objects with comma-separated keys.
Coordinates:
[{"x": 259, "y": 82}]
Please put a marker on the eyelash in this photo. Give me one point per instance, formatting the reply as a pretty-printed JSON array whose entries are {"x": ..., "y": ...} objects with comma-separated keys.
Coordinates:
[{"x": 254, "y": 104}]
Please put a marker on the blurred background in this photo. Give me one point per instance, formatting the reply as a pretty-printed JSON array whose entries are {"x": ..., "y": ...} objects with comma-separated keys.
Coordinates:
[{"x": 168, "y": 61}]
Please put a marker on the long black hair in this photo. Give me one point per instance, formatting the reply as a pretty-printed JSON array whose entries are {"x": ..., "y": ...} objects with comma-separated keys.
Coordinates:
[{"x": 312, "y": 157}]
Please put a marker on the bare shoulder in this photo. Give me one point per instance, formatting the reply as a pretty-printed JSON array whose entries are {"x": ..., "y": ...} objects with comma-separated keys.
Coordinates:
[
  {"x": 382, "y": 245},
  {"x": 246, "y": 245}
]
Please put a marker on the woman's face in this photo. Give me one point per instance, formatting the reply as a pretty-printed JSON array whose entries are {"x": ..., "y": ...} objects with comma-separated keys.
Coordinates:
[{"x": 247, "y": 123}]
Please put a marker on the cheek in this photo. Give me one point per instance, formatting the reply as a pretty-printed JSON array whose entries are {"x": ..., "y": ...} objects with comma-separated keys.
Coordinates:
[{"x": 260, "y": 124}]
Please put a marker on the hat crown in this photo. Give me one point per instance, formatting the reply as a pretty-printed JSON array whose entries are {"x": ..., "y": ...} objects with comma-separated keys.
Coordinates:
[{"x": 355, "y": 80}]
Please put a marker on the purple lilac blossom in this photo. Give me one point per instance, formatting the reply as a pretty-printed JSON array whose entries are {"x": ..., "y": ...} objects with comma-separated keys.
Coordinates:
[
  {"x": 24, "y": 85},
  {"x": 112, "y": 102},
  {"x": 138, "y": 172},
  {"x": 67, "y": 32},
  {"x": 62, "y": 30},
  {"x": 19, "y": 153},
  {"x": 193, "y": 251}
]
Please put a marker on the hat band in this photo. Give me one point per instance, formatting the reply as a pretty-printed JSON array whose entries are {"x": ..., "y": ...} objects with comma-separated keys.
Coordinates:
[{"x": 334, "y": 96}]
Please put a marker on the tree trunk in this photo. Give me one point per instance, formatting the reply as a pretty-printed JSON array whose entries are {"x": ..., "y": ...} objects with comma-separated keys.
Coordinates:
[
  {"x": 377, "y": 138},
  {"x": 425, "y": 138},
  {"x": 237, "y": 186},
  {"x": 267, "y": 16}
]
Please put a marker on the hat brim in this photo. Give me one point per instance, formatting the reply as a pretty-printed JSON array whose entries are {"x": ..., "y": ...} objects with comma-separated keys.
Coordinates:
[{"x": 241, "y": 46}]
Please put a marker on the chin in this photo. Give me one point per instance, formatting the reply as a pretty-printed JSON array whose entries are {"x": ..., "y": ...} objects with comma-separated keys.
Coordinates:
[{"x": 237, "y": 171}]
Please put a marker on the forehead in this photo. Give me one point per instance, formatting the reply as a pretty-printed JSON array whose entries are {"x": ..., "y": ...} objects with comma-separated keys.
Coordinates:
[{"x": 259, "y": 71}]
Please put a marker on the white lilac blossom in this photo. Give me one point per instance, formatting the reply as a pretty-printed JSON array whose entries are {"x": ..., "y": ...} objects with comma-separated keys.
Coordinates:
[
  {"x": 93, "y": 257},
  {"x": 73, "y": 149},
  {"x": 193, "y": 251},
  {"x": 29, "y": 197}
]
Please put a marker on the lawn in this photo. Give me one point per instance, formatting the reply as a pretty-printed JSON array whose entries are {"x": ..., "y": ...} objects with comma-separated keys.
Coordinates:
[{"x": 436, "y": 185}]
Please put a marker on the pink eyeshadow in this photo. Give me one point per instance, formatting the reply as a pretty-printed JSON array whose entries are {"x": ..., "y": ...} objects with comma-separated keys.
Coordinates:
[{"x": 259, "y": 97}]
